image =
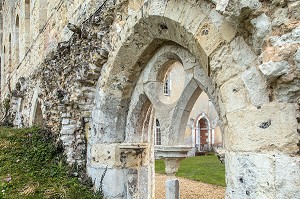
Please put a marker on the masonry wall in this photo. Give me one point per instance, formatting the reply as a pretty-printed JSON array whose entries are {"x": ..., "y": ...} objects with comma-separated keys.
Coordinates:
[
  {"x": 85, "y": 76},
  {"x": 42, "y": 74}
]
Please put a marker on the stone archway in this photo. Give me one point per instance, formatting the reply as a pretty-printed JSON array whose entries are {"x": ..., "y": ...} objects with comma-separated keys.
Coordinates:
[
  {"x": 36, "y": 113},
  {"x": 203, "y": 133},
  {"x": 38, "y": 116},
  {"x": 152, "y": 26},
  {"x": 173, "y": 116}
]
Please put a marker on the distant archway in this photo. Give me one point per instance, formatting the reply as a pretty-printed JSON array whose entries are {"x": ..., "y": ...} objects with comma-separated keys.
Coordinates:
[
  {"x": 203, "y": 133},
  {"x": 17, "y": 43},
  {"x": 157, "y": 133},
  {"x": 27, "y": 24},
  {"x": 36, "y": 113},
  {"x": 211, "y": 43},
  {"x": 38, "y": 117},
  {"x": 9, "y": 54}
]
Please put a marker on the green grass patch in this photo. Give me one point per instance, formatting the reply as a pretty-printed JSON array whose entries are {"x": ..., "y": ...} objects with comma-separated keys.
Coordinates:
[
  {"x": 32, "y": 167},
  {"x": 207, "y": 169}
]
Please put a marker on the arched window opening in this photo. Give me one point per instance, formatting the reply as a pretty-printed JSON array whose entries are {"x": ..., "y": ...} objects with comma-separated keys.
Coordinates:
[
  {"x": 203, "y": 125},
  {"x": 27, "y": 24},
  {"x": 157, "y": 133},
  {"x": 9, "y": 53},
  {"x": 17, "y": 40},
  {"x": 167, "y": 84},
  {"x": 4, "y": 54},
  {"x": 38, "y": 117},
  {"x": 42, "y": 14}
]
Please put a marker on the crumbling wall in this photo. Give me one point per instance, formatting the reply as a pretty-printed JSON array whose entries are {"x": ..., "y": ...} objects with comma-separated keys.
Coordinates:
[{"x": 85, "y": 72}]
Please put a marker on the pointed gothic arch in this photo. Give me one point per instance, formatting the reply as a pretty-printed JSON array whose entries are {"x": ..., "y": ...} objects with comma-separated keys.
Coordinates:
[
  {"x": 17, "y": 41},
  {"x": 9, "y": 54},
  {"x": 27, "y": 33},
  {"x": 38, "y": 116},
  {"x": 157, "y": 133},
  {"x": 203, "y": 133},
  {"x": 148, "y": 29}
]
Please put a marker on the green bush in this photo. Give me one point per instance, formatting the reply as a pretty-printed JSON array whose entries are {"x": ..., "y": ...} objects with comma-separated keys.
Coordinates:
[{"x": 32, "y": 166}]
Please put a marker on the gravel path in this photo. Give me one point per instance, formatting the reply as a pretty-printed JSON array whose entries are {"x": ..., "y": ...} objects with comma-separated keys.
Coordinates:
[{"x": 189, "y": 189}]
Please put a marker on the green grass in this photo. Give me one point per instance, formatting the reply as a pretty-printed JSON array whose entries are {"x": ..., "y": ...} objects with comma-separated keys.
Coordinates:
[
  {"x": 32, "y": 167},
  {"x": 207, "y": 169}
]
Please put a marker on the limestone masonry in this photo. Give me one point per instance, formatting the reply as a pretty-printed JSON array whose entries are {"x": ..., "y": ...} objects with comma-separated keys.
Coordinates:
[{"x": 97, "y": 73}]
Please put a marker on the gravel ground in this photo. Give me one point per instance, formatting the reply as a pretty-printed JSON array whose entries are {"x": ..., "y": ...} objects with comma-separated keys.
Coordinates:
[{"x": 189, "y": 189}]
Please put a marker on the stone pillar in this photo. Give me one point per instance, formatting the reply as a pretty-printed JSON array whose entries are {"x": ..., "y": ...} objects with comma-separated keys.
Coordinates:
[
  {"x": 172, "y": 183},
  {"x": 172, "y": 189}
]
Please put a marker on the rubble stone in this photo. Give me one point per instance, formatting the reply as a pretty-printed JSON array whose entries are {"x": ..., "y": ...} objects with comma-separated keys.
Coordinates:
[
  {"x": 91, "y": 70},
  {"x": 273, "y": 70}
]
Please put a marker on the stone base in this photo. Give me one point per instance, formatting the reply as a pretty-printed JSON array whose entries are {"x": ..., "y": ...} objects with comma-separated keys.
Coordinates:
[{"x": 172, "y": 189}]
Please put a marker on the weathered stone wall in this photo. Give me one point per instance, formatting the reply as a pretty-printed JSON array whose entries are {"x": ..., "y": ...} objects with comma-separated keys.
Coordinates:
[
  {"x": 64, "y": 81},
  {"x": 243, "y": 54}
]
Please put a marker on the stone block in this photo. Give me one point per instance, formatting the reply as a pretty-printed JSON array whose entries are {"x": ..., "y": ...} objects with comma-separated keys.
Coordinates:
[
  {"x": 113, "y": 184},
  {"x": 208, "y": 37},
  {"x": 65, "y": 121},
  {"x": 227, "y": 31},
  {"x": 242, "y": 54},
  {"x": 216, "y": 18},
  {"x": 262, "y": 27},
  {"x": 234, "y": 95},
  {"x": 156, "y": 7},
  {"x": 288, "y": 92},
  {"x": 292, "y": 37},
  {"x": 273, "y": 70},
  {"x": 250, "y": 175},
  {"x": 66, "y": 115},
  {"x": 272, "y": 127},
  {"x": 68, "y": 129},
  {"x": 287, "y": 175},
  {"x": 193, "y": 19},
  {"x": 104, "y": 154},
  {"x": 256, "y": 86},
  {"x": 173, "y": 9},
  {"x": 294, "y": 9},
  {"x": 281, "y": 17},
  {"x": 221, "y": 5},
  {"x": 67, "y": 139}
]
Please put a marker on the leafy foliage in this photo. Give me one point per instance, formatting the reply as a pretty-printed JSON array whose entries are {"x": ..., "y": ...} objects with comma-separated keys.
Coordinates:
[{"x": 33, "y": 167}]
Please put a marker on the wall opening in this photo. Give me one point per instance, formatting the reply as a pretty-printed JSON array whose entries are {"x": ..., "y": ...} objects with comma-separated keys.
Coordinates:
[
  {"x": 157, "y": 133},
  {"x": 3, "y": 67},
  {"x": 3, "y": 55},
  {"x": 27, "y": 25},
  {"x": 9, "y": 54},
  {"x": 204, "y": 138},
  {"x": 207, "y": 134},
  {"x": 38, "y": 117},
  {"x": 167, "y": 84},
  {"x": 17, "y": 44},
  {"x": 171, "y": 88}
]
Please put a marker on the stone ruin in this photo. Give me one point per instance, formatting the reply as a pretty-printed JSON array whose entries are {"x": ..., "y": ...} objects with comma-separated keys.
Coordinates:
[{"x": 90, "y": 71}]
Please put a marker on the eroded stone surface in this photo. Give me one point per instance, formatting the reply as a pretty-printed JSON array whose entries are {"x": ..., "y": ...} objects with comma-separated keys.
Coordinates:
[
  {"x": 273, "y": 70},
  {"x": 84, "y": 70}
]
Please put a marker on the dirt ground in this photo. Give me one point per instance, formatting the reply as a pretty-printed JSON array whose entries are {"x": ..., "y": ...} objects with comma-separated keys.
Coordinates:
[{"x": 189, "y": 189}]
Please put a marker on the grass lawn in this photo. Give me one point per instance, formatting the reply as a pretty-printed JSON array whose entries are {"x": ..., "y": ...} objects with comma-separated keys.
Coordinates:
[
  {"x": 207, "y": 169},
  {"x": 31, "y": 167}
]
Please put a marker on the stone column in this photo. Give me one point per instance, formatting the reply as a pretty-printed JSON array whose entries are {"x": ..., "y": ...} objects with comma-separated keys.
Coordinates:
[
  {"x": 172, "y": 183},
  {"x": 172, "y": 189}
]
